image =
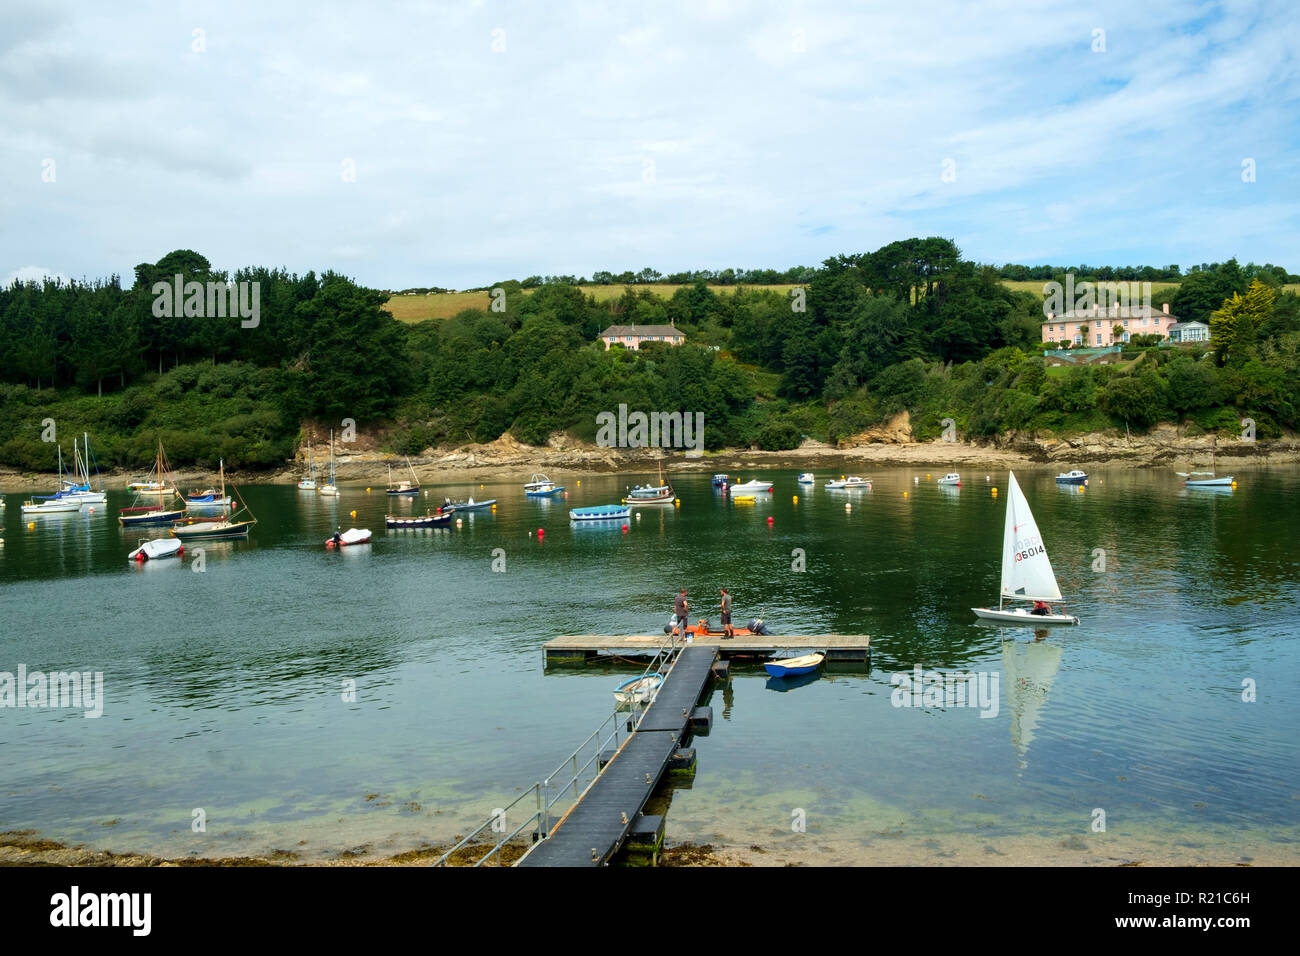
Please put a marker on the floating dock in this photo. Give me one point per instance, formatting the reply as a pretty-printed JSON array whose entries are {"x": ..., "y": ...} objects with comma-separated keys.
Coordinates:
[
  {"x": 584, "y": 647},
  {"x": 598, "y": 824}
]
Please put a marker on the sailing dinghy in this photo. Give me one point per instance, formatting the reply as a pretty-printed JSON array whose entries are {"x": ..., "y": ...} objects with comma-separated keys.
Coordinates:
[{"x": 1026, "y": 571}]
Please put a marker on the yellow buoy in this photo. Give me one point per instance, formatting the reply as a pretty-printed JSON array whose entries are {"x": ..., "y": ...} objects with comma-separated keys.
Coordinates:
[
  {"x": 1234, "y": 484},
  {"x": 796, "y": 499},
  {"x": 677, "y": 502},
  {"x": 905, "y": 494},
  {"x": 353, "y": 513},
  {"x": 579, "y": 482},
  {"x": 31, "y": 525},
  {"x": 367, "y": 491},
  {"x": 995, "y": 492},
  {"x": 927, "y": 476}
]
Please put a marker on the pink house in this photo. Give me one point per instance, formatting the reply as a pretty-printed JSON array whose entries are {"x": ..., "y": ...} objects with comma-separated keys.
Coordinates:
[
  {"x": 1096, "y": 329},
  {"x": 632, "y": 336}
]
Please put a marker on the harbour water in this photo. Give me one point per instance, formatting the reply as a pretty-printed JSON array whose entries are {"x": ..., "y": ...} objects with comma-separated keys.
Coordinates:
[{"x": 227, "y": 691}]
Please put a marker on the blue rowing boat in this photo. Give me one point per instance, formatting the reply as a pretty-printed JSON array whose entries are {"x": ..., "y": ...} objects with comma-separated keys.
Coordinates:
[
  {"x": 600, "y": 513},
  {"x": 794, "y": 666}
]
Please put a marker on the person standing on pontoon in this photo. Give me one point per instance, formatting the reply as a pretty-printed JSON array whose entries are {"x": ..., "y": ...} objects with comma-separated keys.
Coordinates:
[
  {"x": 680, "y": 608},
  {"x": 727, "y": 632}
]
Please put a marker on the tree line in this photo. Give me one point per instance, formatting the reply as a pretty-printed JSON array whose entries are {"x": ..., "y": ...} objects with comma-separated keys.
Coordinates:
[{"x": 912, "y": 325}]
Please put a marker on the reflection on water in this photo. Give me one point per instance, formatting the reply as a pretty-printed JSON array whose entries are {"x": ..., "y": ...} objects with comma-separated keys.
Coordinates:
[{"x": 399, "y": 686}]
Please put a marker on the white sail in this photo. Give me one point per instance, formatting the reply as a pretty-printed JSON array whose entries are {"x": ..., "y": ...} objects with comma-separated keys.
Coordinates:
[{"x": 1026, "y": 571}]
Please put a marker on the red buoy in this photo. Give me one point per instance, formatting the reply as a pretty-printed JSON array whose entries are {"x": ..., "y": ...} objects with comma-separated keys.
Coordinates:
[
  {"x": 769, "y": 519},
  {"x": 541, "y": 533},
  {"x": 625, "y": 529}
]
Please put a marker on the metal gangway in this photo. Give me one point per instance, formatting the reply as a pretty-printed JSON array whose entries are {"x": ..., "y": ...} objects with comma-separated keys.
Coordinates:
[{"x": 572, "y": 777}]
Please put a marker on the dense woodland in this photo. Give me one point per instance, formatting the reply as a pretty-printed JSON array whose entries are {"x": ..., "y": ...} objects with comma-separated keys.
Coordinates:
[{"x": 912, "y": 326}]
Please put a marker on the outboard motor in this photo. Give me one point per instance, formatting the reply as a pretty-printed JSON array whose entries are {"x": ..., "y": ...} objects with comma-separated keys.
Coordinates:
[
  {"x": 756, "y": 626},
  {"x": 672, "y": 623}
]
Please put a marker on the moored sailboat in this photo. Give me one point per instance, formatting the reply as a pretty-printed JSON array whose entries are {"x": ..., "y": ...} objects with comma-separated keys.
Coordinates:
[
  {"x": 1026, "y": 571},
  {"x": 411, "y": 487},
  {"x": 164, "y": 489},
  {"x": 224, "y": 527},
  {"x": 330, "y": 490},
  {"x": 1207, "y": 479},
  {"x": 309, "y": 483},
  {"x": 659, "y": 494}
]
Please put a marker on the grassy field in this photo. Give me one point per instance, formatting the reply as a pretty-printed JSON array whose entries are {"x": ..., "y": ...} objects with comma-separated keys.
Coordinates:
[{"x": 443, "y": 305}]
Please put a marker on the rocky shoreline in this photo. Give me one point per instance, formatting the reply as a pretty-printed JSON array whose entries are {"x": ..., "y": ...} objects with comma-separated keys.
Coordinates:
[{"x": 1165, "y": 446}]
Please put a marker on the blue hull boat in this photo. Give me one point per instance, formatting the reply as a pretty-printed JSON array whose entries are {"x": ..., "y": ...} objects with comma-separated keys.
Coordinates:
[
  {"x": 545, "y": 492},
  {"x": 600, "y": 513},
  {"x": 794, "y": 666}
]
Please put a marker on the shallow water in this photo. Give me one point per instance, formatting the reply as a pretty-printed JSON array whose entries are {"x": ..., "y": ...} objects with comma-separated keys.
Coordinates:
[{"x": 224, "y": 689}]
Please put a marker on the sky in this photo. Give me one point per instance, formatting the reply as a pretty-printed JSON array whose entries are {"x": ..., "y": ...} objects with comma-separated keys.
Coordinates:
[{"x": 457, "y": 144}]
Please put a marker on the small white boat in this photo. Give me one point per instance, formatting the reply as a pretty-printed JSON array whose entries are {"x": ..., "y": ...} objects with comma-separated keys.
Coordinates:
[
  {"x": 1075, "y": 477},
  {"x": 1026, "y": 570},
  {"x": 807, "y": 478},
  {"x": 351, "y": 536},
  {"x": 952, "y": 478},
  {"x": 50, "y": 506},
  {"x": 751, "y": 487},
  {"x": 146, "y": 486},
  {"x": 151, "y": 550},
  {"x": 852, "y": 481},
  {"x": 636, "y": 690}
]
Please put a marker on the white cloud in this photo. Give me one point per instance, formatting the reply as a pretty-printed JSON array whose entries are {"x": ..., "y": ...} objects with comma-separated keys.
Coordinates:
[{"x": 33, "y": 274}]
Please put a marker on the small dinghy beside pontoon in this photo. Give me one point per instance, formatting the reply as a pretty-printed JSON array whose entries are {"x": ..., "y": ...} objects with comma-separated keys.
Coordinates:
[
  {"x": 637, "y": 690},
  {"x": 794, "y": 666}
]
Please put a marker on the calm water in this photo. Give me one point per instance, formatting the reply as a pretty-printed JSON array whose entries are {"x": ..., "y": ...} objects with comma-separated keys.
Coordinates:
[{"x": 223, "y": 688}]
